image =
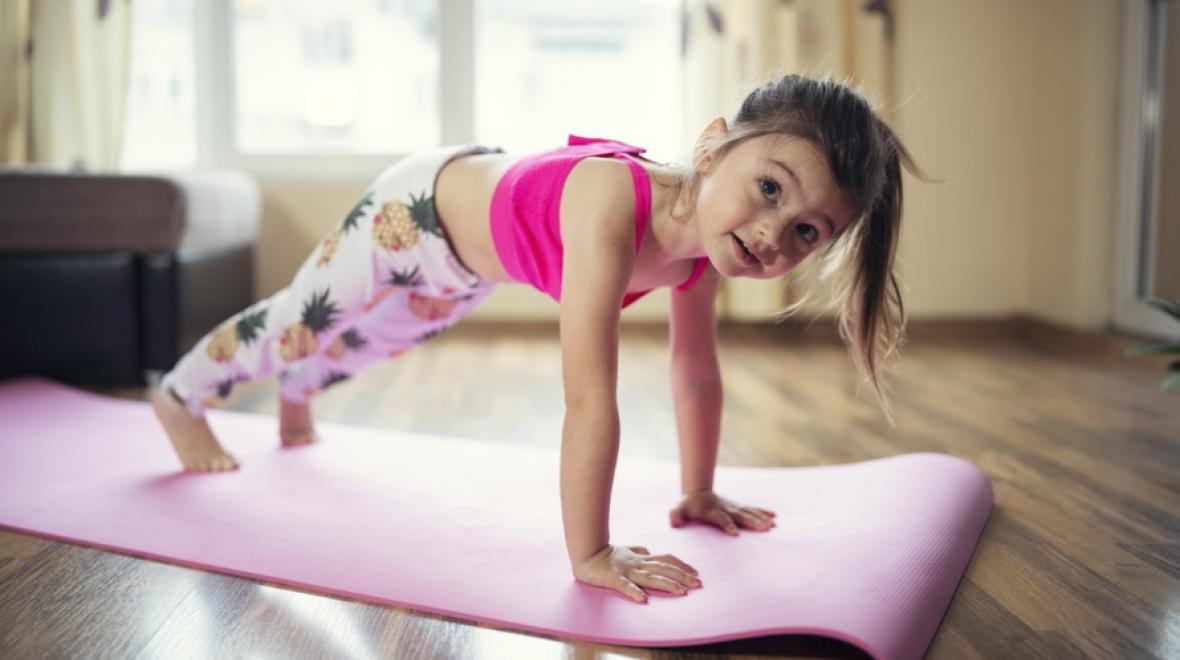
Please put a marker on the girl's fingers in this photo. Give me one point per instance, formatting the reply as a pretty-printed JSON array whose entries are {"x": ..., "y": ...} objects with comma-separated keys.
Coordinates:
[
  {"x": 676, "y": 561},
  {"x": 631, "y": 590},
  {"x": 654, "y": 581},
  {"x": 672, "y": 572},
  {"x": 765, "y": 512},
  {"x": 724, "y": 521},
  {"x": 639, "y": 550},
  {"x": 753, "y": 519}
]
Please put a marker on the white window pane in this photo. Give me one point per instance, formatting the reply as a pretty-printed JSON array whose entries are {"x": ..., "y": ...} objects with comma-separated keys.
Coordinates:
[
  {"x": 350, "y": 76},
  {"x": 161, "y": 125},
  {"x": 599, "y": 68}
]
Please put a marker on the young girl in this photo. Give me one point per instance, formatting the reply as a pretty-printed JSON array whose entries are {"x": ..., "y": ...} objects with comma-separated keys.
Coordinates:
[{"x": 804, "y": 166}]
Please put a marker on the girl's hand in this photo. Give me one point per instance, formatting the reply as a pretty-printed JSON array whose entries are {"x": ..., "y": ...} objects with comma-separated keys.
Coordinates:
[
  {"x": 708, "y": 507},
  {"x": 629, "y": 570}
]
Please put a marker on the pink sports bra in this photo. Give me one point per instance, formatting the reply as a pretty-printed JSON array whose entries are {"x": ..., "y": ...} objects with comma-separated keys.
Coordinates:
[{"x": 524, "y": 213}]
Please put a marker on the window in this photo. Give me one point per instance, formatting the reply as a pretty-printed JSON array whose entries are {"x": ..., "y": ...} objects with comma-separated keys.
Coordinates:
[
  {"x": 354, "y": 76},
  {"x": 601, "y": 68},
  {"x": 160, "y": 131},
  {"x": 310, "y": 88}
]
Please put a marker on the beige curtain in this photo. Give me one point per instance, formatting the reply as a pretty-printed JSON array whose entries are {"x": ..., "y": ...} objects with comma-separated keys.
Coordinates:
[
  {"x": 14, "y": 81},
  {"x": 732, "y": 46},
  {"x": 64, "y": 81}
]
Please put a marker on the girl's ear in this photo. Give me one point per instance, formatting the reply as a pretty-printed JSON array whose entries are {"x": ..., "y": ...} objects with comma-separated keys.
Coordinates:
[{"x": 702, "y": 153}]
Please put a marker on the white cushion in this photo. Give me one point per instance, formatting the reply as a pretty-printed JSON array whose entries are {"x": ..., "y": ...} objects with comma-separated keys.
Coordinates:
[{"x": 224, "y": 208}]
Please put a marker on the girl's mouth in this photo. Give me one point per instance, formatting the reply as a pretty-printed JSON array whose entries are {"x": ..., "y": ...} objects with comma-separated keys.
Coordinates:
[{"x": 743, "y": 253}]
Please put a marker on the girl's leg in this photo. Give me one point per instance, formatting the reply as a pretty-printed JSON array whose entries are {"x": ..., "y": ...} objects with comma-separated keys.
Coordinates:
[
  {"x": 419, "y": 287},
  {"x": 300, "y": 382},
  {"x": 248, "y": 346},
  {"x": 386, "y": 272},
  {"x": 191, "y": 437},
  {"x": 405, "y": 316},
  {"x": 296, "y": 427},
  {"x": 282, "y": 330}
]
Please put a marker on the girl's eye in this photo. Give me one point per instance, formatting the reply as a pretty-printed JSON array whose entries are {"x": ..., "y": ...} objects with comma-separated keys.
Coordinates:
[
  {"x": 809, "y": 233},
  {"x": 768, "y": 187}
]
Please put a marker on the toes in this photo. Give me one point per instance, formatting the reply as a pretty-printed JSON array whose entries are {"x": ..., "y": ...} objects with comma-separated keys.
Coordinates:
[
  {"x": 297, "y": 438},
  {"x": 221, "y": 463}
]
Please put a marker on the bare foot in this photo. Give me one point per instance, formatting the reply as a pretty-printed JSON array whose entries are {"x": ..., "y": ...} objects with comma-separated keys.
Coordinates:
[
  {"x": 295, "y": 425},
  {"x": 192, "y": 438}
]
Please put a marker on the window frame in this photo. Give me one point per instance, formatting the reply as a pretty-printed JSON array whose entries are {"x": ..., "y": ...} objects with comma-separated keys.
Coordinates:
[{"x": 217, "y": 147}]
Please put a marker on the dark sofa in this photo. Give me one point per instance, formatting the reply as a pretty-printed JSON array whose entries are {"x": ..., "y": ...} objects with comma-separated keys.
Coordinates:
[{"x": 108, "y": 279}]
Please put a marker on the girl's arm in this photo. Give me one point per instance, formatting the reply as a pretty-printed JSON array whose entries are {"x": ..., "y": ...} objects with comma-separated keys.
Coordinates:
[
  {"x": 595, "y": 275},
  {"x": 598, "y": 262},
  {"x": 696, "y": 392},
  {"x": 696, "y": 381}
]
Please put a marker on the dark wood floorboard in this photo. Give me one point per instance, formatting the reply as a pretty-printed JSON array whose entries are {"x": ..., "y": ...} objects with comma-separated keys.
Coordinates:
[{"x": 1081, "y": 557}]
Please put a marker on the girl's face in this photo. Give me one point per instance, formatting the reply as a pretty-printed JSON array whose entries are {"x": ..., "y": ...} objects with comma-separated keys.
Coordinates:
[{"x": 766, "y": 205}]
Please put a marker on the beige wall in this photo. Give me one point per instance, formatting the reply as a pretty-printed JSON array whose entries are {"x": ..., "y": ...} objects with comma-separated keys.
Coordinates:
[
  {"x": 1013, "y": 103},
  {"x": 967, "y": 116},
  {"x": 295, "y": 216},
  {"x": 1071, "y": 265},
  {"x": 1010, "y": 102}
]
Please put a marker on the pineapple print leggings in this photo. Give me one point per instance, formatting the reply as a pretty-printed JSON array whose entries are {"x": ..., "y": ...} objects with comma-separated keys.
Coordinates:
[{"x": 384, "y": 279}]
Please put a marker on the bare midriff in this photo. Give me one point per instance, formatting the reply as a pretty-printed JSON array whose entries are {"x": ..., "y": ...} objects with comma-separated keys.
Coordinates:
[{"x": 463, "y": 199}]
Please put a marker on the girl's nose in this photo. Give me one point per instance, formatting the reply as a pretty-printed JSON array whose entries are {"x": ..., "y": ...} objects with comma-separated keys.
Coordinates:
[{"x": 771, "y": 231}]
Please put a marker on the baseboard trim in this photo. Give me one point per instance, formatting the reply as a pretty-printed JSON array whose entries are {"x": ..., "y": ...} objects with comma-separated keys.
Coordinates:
[{"x": 1039, "y": 334}]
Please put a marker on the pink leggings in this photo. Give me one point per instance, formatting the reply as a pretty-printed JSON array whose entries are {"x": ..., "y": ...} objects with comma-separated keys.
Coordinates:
[{"x": 384, "y": 279}]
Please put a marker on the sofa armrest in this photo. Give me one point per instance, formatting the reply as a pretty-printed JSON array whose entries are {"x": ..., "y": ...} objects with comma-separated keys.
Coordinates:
[{"x": 59, "y": 212}]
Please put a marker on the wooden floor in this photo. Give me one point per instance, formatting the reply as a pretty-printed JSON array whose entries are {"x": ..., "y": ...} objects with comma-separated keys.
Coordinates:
[{"x": 1081, "y": 557}]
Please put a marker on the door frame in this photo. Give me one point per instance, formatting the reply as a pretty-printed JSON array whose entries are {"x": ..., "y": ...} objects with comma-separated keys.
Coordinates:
[{"x": 1139, "y": 159}]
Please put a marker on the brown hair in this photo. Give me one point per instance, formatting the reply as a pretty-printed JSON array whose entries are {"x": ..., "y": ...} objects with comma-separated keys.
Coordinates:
[{"x": 865, "y": 157}]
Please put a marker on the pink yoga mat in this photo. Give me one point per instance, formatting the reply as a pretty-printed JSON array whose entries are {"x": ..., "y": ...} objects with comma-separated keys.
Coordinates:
[{"x": 869, "y": 553}]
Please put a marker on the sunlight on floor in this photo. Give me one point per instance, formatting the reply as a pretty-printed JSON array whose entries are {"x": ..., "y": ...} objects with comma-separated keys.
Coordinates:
[{"x": 336, "y": 622}]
